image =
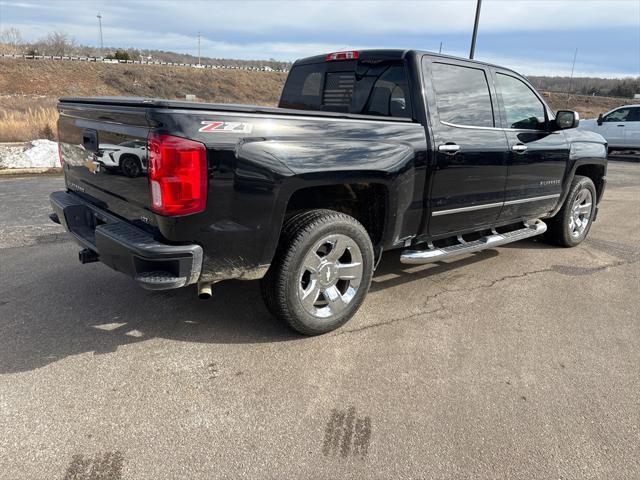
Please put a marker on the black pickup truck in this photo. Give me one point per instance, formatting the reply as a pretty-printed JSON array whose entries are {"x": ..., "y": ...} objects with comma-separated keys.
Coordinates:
[{"x": 367, "y": 151}]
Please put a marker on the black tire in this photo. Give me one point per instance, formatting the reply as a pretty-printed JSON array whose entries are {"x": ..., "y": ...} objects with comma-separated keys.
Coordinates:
[
  {"x": 130, "y": 166},
  {"x": 284, "y": 283},
  {"x": 561, "y": 230}
]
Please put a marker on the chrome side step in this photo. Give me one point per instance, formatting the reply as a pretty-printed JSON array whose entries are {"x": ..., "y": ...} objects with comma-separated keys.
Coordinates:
[{"x": 429, "y": 255}]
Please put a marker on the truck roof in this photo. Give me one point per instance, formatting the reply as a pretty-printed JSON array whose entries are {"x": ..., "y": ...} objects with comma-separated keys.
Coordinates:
[{"x": 397, "y": 54}]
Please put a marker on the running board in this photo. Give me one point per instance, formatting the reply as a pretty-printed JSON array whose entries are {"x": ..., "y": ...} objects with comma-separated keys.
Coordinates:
[{"x": 433, "y": 254}]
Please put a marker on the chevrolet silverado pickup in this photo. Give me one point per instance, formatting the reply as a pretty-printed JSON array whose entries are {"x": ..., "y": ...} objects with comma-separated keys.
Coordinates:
[{"x": 367, "y": 151}]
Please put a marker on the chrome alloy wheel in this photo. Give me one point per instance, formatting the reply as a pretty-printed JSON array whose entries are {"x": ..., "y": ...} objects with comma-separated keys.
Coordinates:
[
  {"x": 330, "y": 276},
  {"x": 580, "y": 213}
]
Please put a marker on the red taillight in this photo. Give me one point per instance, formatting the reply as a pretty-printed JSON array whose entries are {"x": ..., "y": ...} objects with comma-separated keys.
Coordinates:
[
  {"x": 177, "y": 175},
  {"x": 60, "y": 157},
  {"x": 350, "y": 55}
]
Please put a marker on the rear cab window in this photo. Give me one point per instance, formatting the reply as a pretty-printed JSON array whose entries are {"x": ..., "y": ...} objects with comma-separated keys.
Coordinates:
[{"x": 365, "y": 86}]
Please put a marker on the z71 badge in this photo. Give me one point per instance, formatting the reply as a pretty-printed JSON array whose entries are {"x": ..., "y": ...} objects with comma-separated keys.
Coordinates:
[{"x": 225, "y": 127}]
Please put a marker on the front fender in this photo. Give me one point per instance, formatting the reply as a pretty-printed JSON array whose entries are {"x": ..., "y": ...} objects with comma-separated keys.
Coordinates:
[{"x": 585, "y": 148}]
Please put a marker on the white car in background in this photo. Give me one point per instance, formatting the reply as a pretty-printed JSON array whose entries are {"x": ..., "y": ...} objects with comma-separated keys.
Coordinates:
[
  {"x": 620, "y": 127},
  {"x": 128, "y": 157}
]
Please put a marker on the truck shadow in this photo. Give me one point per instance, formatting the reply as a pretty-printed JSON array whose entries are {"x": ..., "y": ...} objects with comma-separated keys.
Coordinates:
[
  {"x": 75, "y": 310},
  {"x": 71, "y": 311},
  {"x": 391, "y": 273}
]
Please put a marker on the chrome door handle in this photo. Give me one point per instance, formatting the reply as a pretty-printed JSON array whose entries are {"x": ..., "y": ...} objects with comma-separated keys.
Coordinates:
[
  {"x": 449, "y": 148},
  {"x": 519, "y": 148}
]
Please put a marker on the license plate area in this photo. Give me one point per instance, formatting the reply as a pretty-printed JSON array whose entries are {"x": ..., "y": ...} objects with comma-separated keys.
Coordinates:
[{"x": 82, "y": 222}]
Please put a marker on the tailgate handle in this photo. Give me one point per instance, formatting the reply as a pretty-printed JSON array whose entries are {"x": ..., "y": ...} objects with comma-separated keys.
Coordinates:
[{"x": 90, "y": 140}]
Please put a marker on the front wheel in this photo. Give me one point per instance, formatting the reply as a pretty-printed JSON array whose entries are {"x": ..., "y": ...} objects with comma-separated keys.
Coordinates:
[
  {"x": 571, "y": 224},
  {"x": 321, "y": 272}
]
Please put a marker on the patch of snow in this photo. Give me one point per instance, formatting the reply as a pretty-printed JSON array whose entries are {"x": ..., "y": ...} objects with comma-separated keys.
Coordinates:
[{"x": 38, "y": 154}]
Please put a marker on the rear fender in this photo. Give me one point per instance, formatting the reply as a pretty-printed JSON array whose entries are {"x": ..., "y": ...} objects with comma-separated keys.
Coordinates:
[{"x": 304, "y": 164}]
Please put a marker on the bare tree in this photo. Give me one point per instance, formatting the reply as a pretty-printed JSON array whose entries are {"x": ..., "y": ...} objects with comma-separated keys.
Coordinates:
[
  {"x": 11, "y": 36},
  {"x": 58, "y": 43}
]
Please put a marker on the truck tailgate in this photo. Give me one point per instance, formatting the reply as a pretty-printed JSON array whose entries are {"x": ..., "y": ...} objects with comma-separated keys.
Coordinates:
[{"x": 104, "y": 150}]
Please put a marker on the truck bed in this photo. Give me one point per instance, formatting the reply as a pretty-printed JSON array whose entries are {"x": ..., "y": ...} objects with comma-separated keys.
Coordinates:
[{"x": 220, "y": 107}]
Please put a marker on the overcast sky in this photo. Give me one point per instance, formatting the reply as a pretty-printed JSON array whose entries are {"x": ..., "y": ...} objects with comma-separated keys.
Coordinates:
[{"x": 534, "y": 37}]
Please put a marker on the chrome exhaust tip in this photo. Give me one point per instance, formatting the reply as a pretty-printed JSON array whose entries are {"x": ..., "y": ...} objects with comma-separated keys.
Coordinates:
[{"x": 205, "y": 291}]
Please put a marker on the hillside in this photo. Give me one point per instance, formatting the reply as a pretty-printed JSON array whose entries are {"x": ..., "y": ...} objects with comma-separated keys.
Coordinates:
[
  {"x": 586, "y": 105},
  {"x": 29, "y": 90},
  {"x": 56, "y": 78}
]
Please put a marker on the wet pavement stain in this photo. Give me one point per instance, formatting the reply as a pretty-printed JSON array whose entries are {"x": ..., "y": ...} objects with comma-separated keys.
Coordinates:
[
  {"x": 105, "y": 466},
  {"x": 346, "y": 434}
]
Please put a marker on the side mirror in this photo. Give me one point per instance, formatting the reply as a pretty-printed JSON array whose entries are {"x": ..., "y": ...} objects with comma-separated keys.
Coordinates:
[
  {"x": 567, "y": 119},
  {"x": 600, "y": 120}
]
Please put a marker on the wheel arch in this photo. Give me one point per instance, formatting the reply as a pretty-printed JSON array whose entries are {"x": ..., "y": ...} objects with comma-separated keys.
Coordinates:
[
  {"x": 594, "y": 168},
  {"x": 597, "y": 174},
  {"x": 365, "y": 200}
]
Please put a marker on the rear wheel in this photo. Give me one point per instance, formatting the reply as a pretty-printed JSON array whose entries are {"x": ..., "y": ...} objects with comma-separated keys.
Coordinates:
[
  {"x": 571, "y": 224},
  {"x": 321, "y": 272},
  {"x": 130, "y": 166}
]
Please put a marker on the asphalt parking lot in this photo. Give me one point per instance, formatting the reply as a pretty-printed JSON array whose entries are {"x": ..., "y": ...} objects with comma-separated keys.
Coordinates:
[{"x": 521, "y": 362}]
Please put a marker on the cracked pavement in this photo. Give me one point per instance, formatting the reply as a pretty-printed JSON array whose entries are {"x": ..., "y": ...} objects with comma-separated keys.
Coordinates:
[{"x": 519, "y": 362}]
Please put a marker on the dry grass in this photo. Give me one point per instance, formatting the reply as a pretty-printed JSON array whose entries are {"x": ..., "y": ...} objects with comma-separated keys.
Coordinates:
[
  {"x": 586, "y": 106},
  {"x": 27, "y": 118},
  {"x": 29, "y": 89}
]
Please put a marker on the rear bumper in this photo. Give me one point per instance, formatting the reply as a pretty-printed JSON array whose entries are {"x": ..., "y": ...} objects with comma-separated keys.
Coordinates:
[{"x": 126, "y": 248}]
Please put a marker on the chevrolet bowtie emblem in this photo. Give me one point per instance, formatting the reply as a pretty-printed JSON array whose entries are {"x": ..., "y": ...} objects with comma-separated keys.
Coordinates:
[{"x": 92, "y": 166}]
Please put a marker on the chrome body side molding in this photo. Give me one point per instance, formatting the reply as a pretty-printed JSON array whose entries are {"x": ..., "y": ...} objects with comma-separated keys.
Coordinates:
[{"x": 471, "y": 208}]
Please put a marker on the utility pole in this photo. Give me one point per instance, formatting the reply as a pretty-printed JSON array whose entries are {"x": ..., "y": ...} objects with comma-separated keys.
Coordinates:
[
  {"x": 440, "y": 49},
  {"x": 573, "y": 66},
  {"x": 199, "y": 36},
  {"x": 100, "y": 28},
  {"x": 475, "y": 30}
]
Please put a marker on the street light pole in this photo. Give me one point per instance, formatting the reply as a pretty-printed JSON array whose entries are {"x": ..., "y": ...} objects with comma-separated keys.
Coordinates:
[
  {"x": 100, "y": 28},
  {"x": 199, "y": 36},
  {"x": 475, "y": 30}
]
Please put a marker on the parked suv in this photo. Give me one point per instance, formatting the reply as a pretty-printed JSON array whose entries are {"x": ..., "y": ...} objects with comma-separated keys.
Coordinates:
[{"x": 368, "y": 151}]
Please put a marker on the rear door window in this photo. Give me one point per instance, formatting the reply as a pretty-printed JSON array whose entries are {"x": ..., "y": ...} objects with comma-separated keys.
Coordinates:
[
  {"x": 376, "y": 88},
  {"x": 462, "y": 95}
]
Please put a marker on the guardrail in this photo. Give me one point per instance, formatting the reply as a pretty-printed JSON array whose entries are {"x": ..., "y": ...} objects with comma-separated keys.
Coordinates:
[{"x": 143, "y": 62}]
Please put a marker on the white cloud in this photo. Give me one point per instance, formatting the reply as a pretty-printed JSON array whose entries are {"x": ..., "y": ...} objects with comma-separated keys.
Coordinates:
[
  {"x": 406, "y": 16},
  {"x": 288, "y": 30}
]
